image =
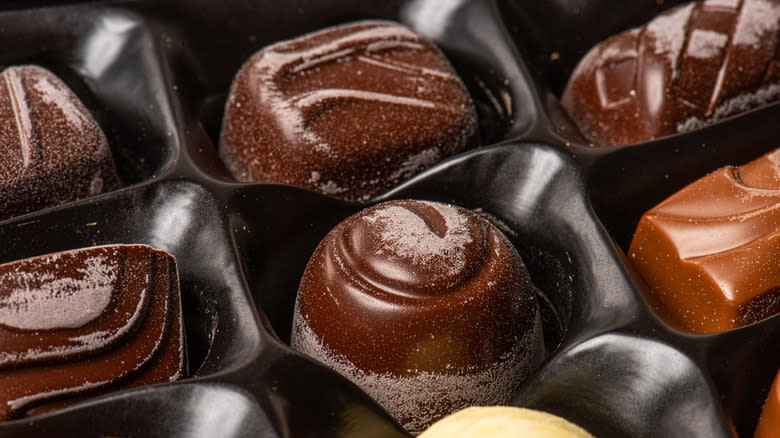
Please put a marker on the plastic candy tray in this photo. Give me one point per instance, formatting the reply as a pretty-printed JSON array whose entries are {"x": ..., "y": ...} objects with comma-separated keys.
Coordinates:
[{"x": 156, "y": 74}]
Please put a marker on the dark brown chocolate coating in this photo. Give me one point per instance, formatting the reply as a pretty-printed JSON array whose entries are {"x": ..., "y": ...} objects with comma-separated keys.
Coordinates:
[
  {"x": 690, "y": 66},
  {"x": 348, "y": 111},
  {"x": 87, "y": 321},
  {"x": 709, "y": 253},
  {"x": 51, "y": 149},
  {"x": 426, "y": 306}
]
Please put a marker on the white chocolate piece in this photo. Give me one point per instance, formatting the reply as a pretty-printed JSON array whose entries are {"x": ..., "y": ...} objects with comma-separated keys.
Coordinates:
[{"x": 503, "y": 422}]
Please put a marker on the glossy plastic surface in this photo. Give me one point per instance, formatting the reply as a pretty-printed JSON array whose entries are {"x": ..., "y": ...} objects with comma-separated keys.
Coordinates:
[{"x": 155, "y": 74}]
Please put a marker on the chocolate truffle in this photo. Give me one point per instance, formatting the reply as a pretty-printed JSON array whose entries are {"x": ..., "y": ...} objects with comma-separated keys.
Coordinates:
[
  {"x": 349, "y": 111},
  {"x": 709, "y": 253},
  {"x": 84, "y": 322},
  {"x": 503, "y": 422},
  {"x": 425, "y": 306},
  {"x": 51, "y": 149},
  {"x": 692, "y": 65},
  {"x": 769, "y": 422}
]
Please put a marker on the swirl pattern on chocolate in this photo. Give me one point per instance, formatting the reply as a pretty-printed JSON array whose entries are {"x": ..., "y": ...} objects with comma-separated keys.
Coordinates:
[
  {"x": 709, "y": 252},
  {"x": 348, "y": 111},
  {"x": 690, "y": 66},
  {"x": 51, "y": 149},
  {"x": 425, "y": 306},
  {"x": 87, "y": 321}
]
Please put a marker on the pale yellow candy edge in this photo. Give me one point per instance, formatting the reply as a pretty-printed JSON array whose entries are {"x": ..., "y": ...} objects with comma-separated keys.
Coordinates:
[{"x": 503, "y": 422}]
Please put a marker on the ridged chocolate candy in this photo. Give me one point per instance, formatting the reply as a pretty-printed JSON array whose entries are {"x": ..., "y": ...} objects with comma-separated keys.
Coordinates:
[
  {"x": 51, "y": 149},
  {"x": 84, "y": 322},
  {"x": 349, "y": 111},
  {"x": 709, "y": 253},
  {"x": 426, "y": 306},
  {"x": 692, "y": 65}
]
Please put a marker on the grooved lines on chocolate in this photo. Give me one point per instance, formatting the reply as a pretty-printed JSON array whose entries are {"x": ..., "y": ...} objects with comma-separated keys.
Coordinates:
[
  {"x": 86, "y": 321},
  {"x": 691, "y": 65}
]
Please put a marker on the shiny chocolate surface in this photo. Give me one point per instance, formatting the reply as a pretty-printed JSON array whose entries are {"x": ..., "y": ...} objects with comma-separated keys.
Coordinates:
[
  {"x": 690, "y": 66},
  {"x": 709, "y": 252},
  {"x": 87, "y": 321},
  {"x": 348, "y": 111},
  {"x": 426, "y": 306},
  {"x": 156, "y": 76}
]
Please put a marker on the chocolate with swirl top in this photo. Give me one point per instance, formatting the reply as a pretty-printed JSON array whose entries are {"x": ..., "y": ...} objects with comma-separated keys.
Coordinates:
[
  {"x": 691, "y": 65},
  {"x": 87, "y": 321},
  {"x": 709, "y": 253},
  {"x": 51, "y": 149},
  {"x": 426, "y": 306},
  {"x": 348, "y": 111}
]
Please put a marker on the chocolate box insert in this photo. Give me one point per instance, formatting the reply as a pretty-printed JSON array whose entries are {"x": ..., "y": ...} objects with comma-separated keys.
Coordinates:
[{"x": 156, "y": 76}]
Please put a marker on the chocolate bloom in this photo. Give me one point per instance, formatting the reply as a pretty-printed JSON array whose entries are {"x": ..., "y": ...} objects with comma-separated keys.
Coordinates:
[
  {"x": 349, "y": 111},
  {"x": 84, "y": 322},
  {"x": 51, "y": 149},
  {"x": 690, "y": 66},
  {"x": 708, "y": 253},
  {"x": 425, "y": 306}
]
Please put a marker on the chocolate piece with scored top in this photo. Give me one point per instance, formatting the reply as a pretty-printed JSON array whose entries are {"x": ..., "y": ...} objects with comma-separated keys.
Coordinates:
[
  {"x": 51, "y": 149},
  {"x": 87, "y": 321},
  {"x": 348, "y": 111},
  {"x": 692, "y": 65},
  {"x": 709, "y": 253}
]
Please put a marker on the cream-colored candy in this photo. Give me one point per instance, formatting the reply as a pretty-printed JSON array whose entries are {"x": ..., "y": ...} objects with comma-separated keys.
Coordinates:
[{"x": 503, "y": 422}]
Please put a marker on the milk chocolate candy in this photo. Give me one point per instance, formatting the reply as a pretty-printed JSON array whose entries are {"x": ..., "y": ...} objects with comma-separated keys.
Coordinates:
[
  {"x": 769, "y": 421},
  {"x": 51, "y": 149},
  {"x": 83, "y": 322},
  {"x": 425, "y": 306},
  {"x": 348, "y": 111},
  {"x": 690, "y": 66},
  {"x": 709, "y": 253}
]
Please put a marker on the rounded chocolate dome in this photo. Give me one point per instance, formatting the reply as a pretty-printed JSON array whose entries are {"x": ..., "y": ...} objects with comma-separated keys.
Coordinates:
[{"x": 426, "y": 306}]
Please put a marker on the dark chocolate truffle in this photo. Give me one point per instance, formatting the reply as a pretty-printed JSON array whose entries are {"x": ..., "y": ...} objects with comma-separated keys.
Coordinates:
[
  {"x": 425, "y": 306},
  {"x": 348, "y": 111},
  {"x": 769, "y": 422},
  {"x": 51, "y": 149},
  {"x": 709, "y": 253},
  {"x": 690, "y": 66},
  {"x": 84, "y": 322}
]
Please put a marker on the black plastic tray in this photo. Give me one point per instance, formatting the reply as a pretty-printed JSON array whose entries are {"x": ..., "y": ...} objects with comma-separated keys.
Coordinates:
[{"x": 156, "y": 73}]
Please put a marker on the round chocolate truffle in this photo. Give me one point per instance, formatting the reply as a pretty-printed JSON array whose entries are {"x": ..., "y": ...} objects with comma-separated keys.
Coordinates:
[
  {"x": 349, "y": 111},
  {"x": 425, "y": 306}
]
